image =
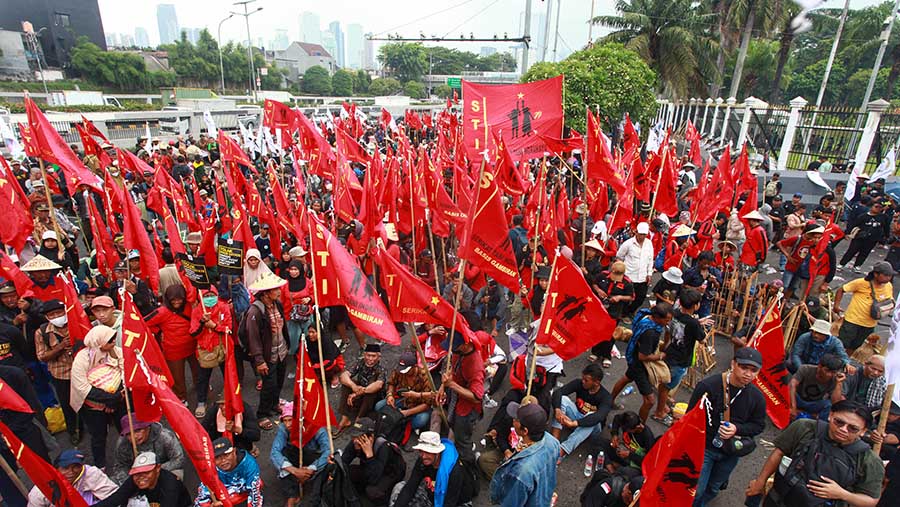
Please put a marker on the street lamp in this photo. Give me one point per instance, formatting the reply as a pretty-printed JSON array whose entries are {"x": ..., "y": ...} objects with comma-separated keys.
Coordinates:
[
  {"x": 221, "y": 65},
  {"x": 28, "y": 28},
  {"x": 246, "y": 15}
]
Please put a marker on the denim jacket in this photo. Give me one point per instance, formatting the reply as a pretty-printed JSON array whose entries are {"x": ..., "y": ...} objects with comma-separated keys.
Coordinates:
[
  {"x": 807, "y": 351},
  {"x": 528, "y": 478}
]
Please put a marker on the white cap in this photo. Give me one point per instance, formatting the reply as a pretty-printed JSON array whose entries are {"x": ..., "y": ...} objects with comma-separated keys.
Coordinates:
[
  {"x": 643, "y": 228},
  {"x": 49, "y": 235}
]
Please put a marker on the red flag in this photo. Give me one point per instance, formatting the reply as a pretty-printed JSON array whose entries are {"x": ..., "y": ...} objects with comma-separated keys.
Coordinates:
[
  {"x": 78, "y": 322},
  {"x": 53, "y": 149},
  {"x": 92, "y": 129},
  {"x": 516, "y": 110},
  {"x": 558, "y": 146},
  {"x": 412, "y": 120},
  {"x": 340, "y": 281},
  {"x": 412, "y": 300},
  {"x": 107, "y": 256},
  {"x": 16, "y": 225},
  {"x": 28, "y": 141},
  {"x": 137, "y": 340},
  {"x": 693, "y": 137},
  {"x": 508, "y": 175},
  {"x": 136, "y": 238},
  {"x": 172, "y": 232},
  {"x": 193, "y": 437},
  {"x": 234, "y": 401},
  {"x": 599, "y": 161},
  {"x": 630, "y": 138},
  {"x": 573, "y": 319},
  {"x": 11, "y": 272},
  {"x": 672, "y": 467},
  {"x": 10, "y": 400},
  {"x": 720, "y": 189},
  {"x": 229, "y": 151},
  {"x": 91, "y": 147},
  {"x": 387, "y": 121},
  {"x": 277, "y": 115},
  {"x": 666, "y": 200},
  {"x": 485, "y": 241},
  {"x": 46, "y": 477},
  {"x": 350, "y": 148},
  {"x": 774, "y": 377},
  {"x": 310, "y": 413}
]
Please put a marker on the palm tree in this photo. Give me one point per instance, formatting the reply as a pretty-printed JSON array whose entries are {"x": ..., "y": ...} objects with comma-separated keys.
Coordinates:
[
  {"x": 751, "y": 15},
  {"x": 672, "y": 36},
  {"x": 791, "y": 9}
]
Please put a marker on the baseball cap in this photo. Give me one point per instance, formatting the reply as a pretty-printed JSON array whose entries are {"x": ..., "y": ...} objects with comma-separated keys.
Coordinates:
[
  {"x": 458, "y": 341},
  {"x": 221, "y": 446},
  {"x": 52, "y": 306},
  {"x": 362, "y": 426},
  {"x": 144, "y": 462},
  {"x": 643, "y": 228},
  {"x": 883, "y": 268},
  {"x": 531, "y": 416},
  {"x": 132, "y": 423},
  {"x": 798, "y": 194},
  {"x": 102, "y": 301},
  {"x": 749, "y": 357},
  {"x": 407, "y": 361},
  {"x": 69, "y": 457}
]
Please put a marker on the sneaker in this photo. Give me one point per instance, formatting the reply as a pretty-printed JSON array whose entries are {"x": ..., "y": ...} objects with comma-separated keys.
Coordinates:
[
  {"x": 856, "y": 269},
  {"x": 489, "y": 402},
  {"x": 200, "y": 411},
  {"x": 606, "y": 363},
  {"x": 592, "y": 358}
]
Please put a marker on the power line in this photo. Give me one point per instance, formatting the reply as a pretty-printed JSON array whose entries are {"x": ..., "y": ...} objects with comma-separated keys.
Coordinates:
[
  {"x": 426, "y": 17},
  {"x": 488, "y": 6}
]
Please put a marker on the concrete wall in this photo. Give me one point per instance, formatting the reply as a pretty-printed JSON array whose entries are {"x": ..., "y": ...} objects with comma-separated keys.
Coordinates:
[{"x": 13, "y": 62}]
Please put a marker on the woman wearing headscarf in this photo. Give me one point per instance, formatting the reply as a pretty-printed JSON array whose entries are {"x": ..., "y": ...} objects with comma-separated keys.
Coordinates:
[
  {"x": 97, "y": 388},
  {"x": 295, "y": 296},
  {"x": 173, "y": 321},
  {"x": 334, "y": 361},
  {"x": 211, "y": 320},
  {"x": 254, "y": 268}
]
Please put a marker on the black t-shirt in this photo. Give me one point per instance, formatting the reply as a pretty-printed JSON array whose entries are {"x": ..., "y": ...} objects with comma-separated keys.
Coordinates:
[
  {"x": 595, "y": 405},
  {"x": 613, "y": 288},
  {"x": 648, "y": 341},
  {"x": 684, "y": 331},
  {"x": 664, "y": 285},
  {"x": 169, "y": 491}
]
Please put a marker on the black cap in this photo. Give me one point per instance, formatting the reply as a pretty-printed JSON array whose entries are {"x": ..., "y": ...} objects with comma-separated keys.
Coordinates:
[
  {"x": 813, "y": 303},
  {"x": 373, "y": 347},
  {"x": 407, "y": 361},
  {"x": 121, "y": 266},
  {"x": 748, "y": 356},
  {"x": 531, "y": 417},
  {"x": 363, "y": 426},
  {"x": 543, "y": 273},
  {"x": 221, "y": 446},
  {"x": 458, "y": 341},
  {"x": 52, "y": 306}
]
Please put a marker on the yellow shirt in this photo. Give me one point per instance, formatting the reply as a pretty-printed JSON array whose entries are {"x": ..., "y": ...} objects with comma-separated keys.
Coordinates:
[{"x": 861, "y": 302}]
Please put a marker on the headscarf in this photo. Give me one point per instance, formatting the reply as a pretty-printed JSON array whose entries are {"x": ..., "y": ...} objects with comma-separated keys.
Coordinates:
[
  {"x": 175, "y": 292},
  {"x": 90, "y": 357},
  {"x": 251, "y": 275},
  {"x": 299, "y": 283}
]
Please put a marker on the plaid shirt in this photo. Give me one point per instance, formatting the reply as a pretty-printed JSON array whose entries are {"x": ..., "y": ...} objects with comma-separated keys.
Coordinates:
[
  {"x": 45, "y": 339},
  {"x": 362, "y": 375}
]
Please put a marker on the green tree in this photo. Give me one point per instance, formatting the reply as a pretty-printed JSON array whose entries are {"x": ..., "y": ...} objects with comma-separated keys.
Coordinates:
[
  {"x": 608, "y": 76},
  {"x": 385, "y": 86},
  {"x": 414, "y": 89},
  {"x": 806, "y": 83},
  {"x": 124, "y": 71},
  {"x": 342, "y": 83},
  {"x": 497, "y": 62},
  {"x": 361, "y": 81},
  {"x": 404, "y": 61},
  {"x": 672, "y": 37},
  {"x": 316, "y": 81},
  {"x": 443, "y": 91},
  {"x": 761, "y": 15},
  {"x": 760, "y": 67}
]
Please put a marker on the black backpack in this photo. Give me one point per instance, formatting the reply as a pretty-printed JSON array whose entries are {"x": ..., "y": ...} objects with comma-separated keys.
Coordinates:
[
  {"x": 243, "y": 337},
  {"x": 396, "y": 465},
  {"x": 814, "y": 460},
  {"x": 390, "y": 424}
]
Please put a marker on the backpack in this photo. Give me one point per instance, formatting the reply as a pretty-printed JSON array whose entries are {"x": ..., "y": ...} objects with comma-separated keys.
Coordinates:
[
  {"x": 396, "y": 465},
  {"x": 816, "y": 459},
  {"x": 660, "y": 260},
  {"x": 390, "y": 424},
  {"x": 642, "y": 322},
  {"x": 243, "y": 337}
]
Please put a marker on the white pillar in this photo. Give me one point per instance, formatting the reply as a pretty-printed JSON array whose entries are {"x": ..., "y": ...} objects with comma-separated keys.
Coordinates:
[
  {"x": 875, "y": 108},
  {"x": 705, "y": 112},
  {"x": 670, "y": 117},
  {"x": 696, "y": 103},
  {"x": 715, "y": 118},
  {"x": 728, "y": 105},
  {"x": 797, "y": 104},
  {"x": 661, "y": 110},
  {"x": 749, "y": 104}
]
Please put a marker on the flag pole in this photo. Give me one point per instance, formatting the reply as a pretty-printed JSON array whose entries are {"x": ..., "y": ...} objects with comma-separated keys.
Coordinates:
[
  {"x": 537, "y": 222},
  {"x": 312, "y": 264},
  {"x": 59, "y": 234},
  {"x": 634, "y": 501},
  {"x": 662, "y": 167},
  {"x": 415, "y": 339},
  {"x": 125, "y": 391},
  {"x": 412, "y": 214},
  {"x": 13, "y": 477},
  {"x": 535, "y": 353},
  {"x": 882, "y": 418},
  {"x": 437, "y": 281}
]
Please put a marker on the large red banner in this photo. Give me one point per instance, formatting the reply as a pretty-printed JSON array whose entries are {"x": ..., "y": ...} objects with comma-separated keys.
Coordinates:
[{"x": 518, "y": 111}]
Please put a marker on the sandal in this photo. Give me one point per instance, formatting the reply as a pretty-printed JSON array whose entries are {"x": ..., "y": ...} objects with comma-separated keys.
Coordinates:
[
  {"x": 266, "y": 425},
  {"x": 665, "y": 421}
]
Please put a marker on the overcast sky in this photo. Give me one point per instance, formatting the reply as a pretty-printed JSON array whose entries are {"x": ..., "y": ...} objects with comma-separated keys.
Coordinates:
[{"x": 484, "y": 18}]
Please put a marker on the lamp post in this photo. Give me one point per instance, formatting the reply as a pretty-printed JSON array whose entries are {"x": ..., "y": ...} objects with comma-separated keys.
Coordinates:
[
  {"x": 246, "y": 15},
  {"x": 28, "y": 28},
  {"x": 221, "y": 65}
]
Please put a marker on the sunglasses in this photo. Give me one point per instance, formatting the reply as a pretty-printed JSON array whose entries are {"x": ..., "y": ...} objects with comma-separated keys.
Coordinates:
[{"x": 840, "y": 423}]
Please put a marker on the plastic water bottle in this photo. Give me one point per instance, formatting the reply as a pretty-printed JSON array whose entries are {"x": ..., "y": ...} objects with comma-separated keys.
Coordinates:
[
  {"x": 601, "y": 460},
  {"x": 589, "y": 466},
  {"x": 717, "y": 442},
  {"x": 628, "y": 390}
]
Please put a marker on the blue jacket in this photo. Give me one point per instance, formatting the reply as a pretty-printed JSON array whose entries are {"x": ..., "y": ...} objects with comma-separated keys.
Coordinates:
[
  {"x": 808, "y": 351},
  {"x": 528, "y": 478},
  {"x": 318, "y": 445}
]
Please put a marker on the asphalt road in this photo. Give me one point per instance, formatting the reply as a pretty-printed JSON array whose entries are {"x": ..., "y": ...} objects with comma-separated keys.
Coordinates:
[{"x": 570, "y": 479}]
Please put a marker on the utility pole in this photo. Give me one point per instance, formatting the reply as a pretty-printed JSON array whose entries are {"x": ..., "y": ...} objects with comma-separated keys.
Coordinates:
[
  {"x": 246, "y": 15},
  {"x": 221, "y": 64},
  {"x": 526, "y": 34},
  {"x": 834, "y": 46},
  {"x": 546, "y": 41},
  {"x": 556, "y": 35},
  {"x": 28, "y": 28},
  {"x": 591, "y": 24}
]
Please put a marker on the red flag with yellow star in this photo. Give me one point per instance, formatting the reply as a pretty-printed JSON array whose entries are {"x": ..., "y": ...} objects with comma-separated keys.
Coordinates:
[
  {"x": 599, "y": 161},
  {"x": 573, "y": 319},
  {"x": 52, "y": 148},
  {"x": 16, "y": 225}
]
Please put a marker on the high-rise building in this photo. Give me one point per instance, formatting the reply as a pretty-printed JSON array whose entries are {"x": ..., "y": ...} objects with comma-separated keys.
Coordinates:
[
  {"x": 126, "y": 40},
  {"x": 280, "y": 40},
  {"x": 168, "y": 23},
  {"x": 141, "y": 39},
  {"x": 191, "y": 34},
  {"x": 335, "y": 28},
  {"x": 112, "y": 40},
  {"x": 355, "y": 46},
  {"x": 310, "y": 28},
  {"x": 62, "y": 21},
  {"x": 487, "y": 51},
  {"x": 369, "y": 53},
  {"x": 329, "y": 43}
]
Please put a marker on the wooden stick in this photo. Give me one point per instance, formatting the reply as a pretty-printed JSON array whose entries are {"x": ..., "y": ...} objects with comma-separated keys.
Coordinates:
[
  {"x": 13, "y": 477},
  {"x": 415, "y": 339},
  {"x": 59, "y": 234},
  {"x": 634, "y": 501},
  {"x": 541, "y": 323},
  {"x": 319, "y": 341},
  {"x": 882, "y": 419}
]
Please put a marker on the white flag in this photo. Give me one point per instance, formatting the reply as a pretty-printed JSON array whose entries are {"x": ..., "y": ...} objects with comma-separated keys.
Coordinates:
[
  {"x": 249, "y": 144},
  {"x": 211, "y": 129},
  {"x": 887, "y": 167},
  {"x": 851, "y": 182},
  {"x": 892, "y": 355},
  {"x": 261, "y": 140},
  {"x": 10, "y": 140},
  {"x": 149, "y": 144}
]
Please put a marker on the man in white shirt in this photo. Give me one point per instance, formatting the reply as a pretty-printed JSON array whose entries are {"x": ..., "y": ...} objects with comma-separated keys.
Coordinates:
[{"x": 637, "y": 254}]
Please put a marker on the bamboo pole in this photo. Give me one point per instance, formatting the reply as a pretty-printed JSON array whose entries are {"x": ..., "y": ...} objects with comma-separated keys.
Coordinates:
[
  {"x": 882, "y": 418},
  {"x": 541, "y": 324},
  {"x": 412, "y": 333},
  {"x": 125, "y": 391},
  {"x": 13, "y": 476},
  {"x": 319, "y": 341},
  {"x": 56, "y": 228}
]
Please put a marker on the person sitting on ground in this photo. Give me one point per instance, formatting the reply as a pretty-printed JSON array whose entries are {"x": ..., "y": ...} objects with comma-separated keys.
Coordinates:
[
  {"x": 380, "y": 467},
  {"x": 334, "y": 360},
  {"x": 628, "y": 448},
  {"x": 604, "y": 490},
  {"x": 814, "y": 388},
  {"x": 244, "y": 429},
  {"x": 408, "y": 387},
  {"x": 148, "y": 484},
  {"x": 147, "y": 437},
  {"x": 616, "y": 292},
  {"x": 586, "y": 414},
  {"x": 811, "y": 346},
  {"x": 295, "y": 467},
  {"x": 669, "y": 286},
  {"x": 89, "y": 481},
  {"x": 867, "y": 384},
  {"x": 528, "y": 477},
  {"x": 363, "y": 386},
  {"x": 238, "y": 472},
  {"x": 828, "y": 461},
  {"x": 438, "y": 477}
]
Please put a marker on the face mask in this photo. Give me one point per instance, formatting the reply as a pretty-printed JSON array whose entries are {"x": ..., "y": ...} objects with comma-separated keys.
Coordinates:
[
  {"x": 114, "y": 173},
  {"x": 59, "y": 321},
  {"x": 210, "y": 301}
]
